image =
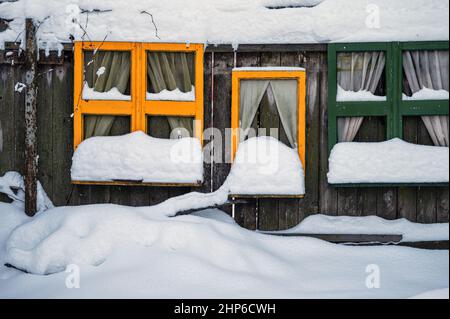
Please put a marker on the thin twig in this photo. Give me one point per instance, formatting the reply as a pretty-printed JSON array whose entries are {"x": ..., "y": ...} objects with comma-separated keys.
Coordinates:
[{"x": 153, "y": 22}]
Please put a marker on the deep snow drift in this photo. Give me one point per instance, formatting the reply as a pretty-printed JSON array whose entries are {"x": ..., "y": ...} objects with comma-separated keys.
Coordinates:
[
  {"x": 126, "y": 252},
  {"x": 229, "y": 21},
  {"x": 393, "y": 161}
]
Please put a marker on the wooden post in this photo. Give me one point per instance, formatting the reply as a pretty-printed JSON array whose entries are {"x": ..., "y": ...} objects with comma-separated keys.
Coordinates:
[{"x": 31, "y": 167}]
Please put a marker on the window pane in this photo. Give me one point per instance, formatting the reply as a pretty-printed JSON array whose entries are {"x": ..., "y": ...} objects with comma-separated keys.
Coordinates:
[
  {"x": 269, "y": 108},
  {"x": 170, "y": 127},
  {"x": 106, "y": 125},
  {"x": 107, "y": 75},
  {"x": 171, "y": 76},
  {"x": 361, "y": 76},
  {"x": 425, "y": 75},
  {"x": 362, "y": 129},
  {"x": 426, "y": 130}
]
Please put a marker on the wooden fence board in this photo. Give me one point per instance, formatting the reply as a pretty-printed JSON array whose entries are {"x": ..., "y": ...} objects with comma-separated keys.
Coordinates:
[
  {"x": 44, "y": 131},
  {"x": 55, "y": 106}
]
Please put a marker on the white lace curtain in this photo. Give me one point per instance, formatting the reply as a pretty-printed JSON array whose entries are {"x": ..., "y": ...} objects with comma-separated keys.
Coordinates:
[
  {"x": 358, "y": 71},
  {"x": 116, "y": 74},
  {"x": 429, "y": 69},
  {"x": 285, "y": 95}
]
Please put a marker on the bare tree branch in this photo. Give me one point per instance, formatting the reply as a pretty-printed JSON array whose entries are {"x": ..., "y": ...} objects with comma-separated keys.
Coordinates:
[{"x": 153, "y": 22}]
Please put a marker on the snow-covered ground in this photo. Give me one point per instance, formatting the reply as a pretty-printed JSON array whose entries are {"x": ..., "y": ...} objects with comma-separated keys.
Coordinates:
[{"x": 140, "y": 253}]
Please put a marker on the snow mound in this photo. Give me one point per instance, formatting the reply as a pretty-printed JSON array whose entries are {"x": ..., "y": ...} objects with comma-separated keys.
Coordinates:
[
  {"x": 111, "y": 95},
  {"x": 175, "y": 95},
  {"x": 155, "y": 257},
  {"x": 14, "y": 181},
  {"x": 393, "y": 161},
  {"x": 372, "y": 225},
  {"x": 227, "y": 22},
  {"x": 427, "y": 94},
  {"x": 138, "y": 157},
  {"x": 265, "y": 166},
  {"x": 350, "y": 96}
]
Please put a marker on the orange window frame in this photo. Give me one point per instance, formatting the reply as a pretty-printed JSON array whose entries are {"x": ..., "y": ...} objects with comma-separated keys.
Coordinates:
[
  {"x": 138, "y": 108},
  {"x": 192, "y": 109},
  {"x": 300, "y": 76}
]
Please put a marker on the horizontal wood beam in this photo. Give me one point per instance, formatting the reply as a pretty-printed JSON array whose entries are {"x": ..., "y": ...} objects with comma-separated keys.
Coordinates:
[
  {"x": 345, "y": 238},
  {"x": 135, "y": 183},
  {"x": 268, "y": 48},
  {"x": 362, "y": 185}
]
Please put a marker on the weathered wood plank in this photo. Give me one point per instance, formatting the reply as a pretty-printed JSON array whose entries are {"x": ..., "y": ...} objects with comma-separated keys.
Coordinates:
[
  {"x": 62, "y": 133},
  {"x": 387, "y": 203},
  {"x": 258, "y": 48},
  {"x": 208, "y": 125},
  {"x": 310, "y": 204},
  {"x": 328, "y": 195},
  {"x": 44, "y": 129},
  {"x": 223, "y": 65},
  {"x": 7, "y": 124},
  {"x": 426, "y": 196},
  {"x": 407, "y": 196},
  {"x": 442, "y": 205}
]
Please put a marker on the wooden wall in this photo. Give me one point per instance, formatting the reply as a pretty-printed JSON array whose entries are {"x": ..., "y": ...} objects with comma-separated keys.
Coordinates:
[{"x": 55, "y": 137}]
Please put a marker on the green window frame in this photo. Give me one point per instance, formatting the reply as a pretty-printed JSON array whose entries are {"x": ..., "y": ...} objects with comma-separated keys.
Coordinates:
[{"x": 394, "y": 109}]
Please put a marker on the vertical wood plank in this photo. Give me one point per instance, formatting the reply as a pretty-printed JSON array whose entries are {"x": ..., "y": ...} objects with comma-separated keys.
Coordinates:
[
  {"x": 426, "y": 196},
  {"x": 310, "y": 204},
  {"x": 223, "y": 65},
  {"x": 442, "y": 205},
  {"x": 62, "y": 135},
  {"x": 328, "y": 195},
  {"x": 407, "y": 196},
  {"x": 208, "y": 126},
  {"x": 44, "y": 129},
  {"x": 7, "y": 123}
]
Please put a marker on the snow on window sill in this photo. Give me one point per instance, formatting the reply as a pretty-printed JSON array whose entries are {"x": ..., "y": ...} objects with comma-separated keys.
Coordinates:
[
  {"x": 360, "y": 96},
  {"x": 175, "y": 95},
  {"x": 390, "y": 162},
  {"x": 427, "y": 94},
  {"x": 111, "y": 95}
]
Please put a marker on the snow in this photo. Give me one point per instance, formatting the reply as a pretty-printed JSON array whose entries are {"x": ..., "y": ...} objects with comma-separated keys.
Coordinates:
[
  {"x": 12, "y": 181},
  {"x": 138, "y": 157},
  {"x": 19, "y": 87},
  {"x": 175, "y": 95},
  {"x": 372, "y": 225},
  {"x": 393, "y": 161},
  {"x": 229, "y": 22},
  {"x": 111, "y": 95},
  {"x": 101, "y": 71},
  {"x": 427, "y": 94},
  {"x": 125, "y": 252},
  {"x": 268, "y": 69},
  {"x": 435, "y": 294},
  {"x": 350, "y": 96},
  {"x": 264, "y": 166}
]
